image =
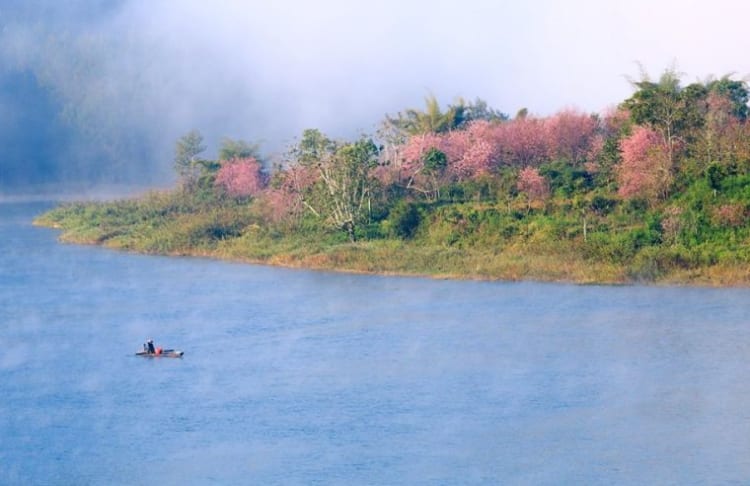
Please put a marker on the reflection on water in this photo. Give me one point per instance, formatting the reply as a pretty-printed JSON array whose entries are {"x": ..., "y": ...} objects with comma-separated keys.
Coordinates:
[{"x": 299, "y": 377}]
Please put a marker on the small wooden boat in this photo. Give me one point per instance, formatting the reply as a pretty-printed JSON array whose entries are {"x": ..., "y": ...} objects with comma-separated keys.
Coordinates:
[{"x": 165, "y": 353}]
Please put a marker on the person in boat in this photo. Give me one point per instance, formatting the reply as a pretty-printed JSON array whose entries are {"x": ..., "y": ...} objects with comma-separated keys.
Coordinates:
[{"x": 150, "y": 347}]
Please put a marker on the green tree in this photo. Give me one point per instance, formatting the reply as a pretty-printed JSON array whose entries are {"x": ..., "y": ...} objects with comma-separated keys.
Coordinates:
[
  {"x": 432, "y": 119},
  {"x": 477, "y": 110},
  {"x": 313, "y": 147},
  {"x": 435, "y": 162},
  {"x": 735, "y": 91},
  {"x": 186, "y": 161},
  {"x": 238, "y": 149},
  {"x": 663, "y": 106},
  {"x": 343, "y": 193},
  {"x": 668, "y": 108}
]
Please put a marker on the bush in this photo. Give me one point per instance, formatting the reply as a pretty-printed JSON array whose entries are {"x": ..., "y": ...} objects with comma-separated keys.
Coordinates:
[
  {"x": 566, "y": 179},
  {"x": 653, "y": 262},
  {"x": 403, "y": 220},
  {"x": 602, "y": 205},
  {"x": 715, "y": 174}
]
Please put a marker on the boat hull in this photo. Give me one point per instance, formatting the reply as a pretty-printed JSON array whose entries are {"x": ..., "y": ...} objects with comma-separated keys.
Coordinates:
[{"x": 167, "y": 353}]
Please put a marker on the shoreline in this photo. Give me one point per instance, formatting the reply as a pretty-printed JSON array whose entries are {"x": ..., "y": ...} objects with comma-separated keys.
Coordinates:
[{"x": 704, "y": 277}]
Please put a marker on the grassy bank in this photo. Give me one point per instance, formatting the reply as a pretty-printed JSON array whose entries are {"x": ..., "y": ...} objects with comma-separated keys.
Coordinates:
[{"x": 461, "y": 240}]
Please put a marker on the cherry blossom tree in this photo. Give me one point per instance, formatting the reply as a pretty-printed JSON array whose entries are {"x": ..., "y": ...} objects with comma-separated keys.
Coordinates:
[
  {"x": 481, "y": 147},
  {"x": 533, "y": 184},
  {"x": 472, "y": 152},
  {"x": 284, "y": 198},
  {"x": 415, "y": 148},
  {"x": 569, "y": 135},
  {"x": 240, "y": 177},
  {"x": 594, "y": 153},
  {"x": 521, "y": 142},
  {"x": 421, "y": 164},
  {"x": 646, "y": 168}
]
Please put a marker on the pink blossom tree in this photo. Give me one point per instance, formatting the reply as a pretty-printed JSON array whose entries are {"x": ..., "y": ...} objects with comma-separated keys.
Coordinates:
[
  {"x": 284, "y": 198},
  {"x": 240, "y": 177},
  {"x": 569, "y": 135},
  {"x": 421, "y": 164},
  {"x": 277, "y": 205},
  {"x": 472, "y": 152},
  {"x": 646, "y": 169},
  {"x": 521, "y": 142},
  {"x": 412, "y": 153},
  {"x": 533, "y": 185},
  {"x": 482, "y": 146},
  {"x": 595, "y": 150}
]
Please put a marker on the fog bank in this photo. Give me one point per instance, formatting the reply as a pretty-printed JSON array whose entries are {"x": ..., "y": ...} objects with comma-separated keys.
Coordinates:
[{"x": 97, "y": 91}]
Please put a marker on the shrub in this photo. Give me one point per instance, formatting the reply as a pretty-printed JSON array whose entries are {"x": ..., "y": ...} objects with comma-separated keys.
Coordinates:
[
  {"x": 729, "y": 215},
  {"x": 715, "y": 174},
  {"x": 404, "y": 220},
  {"x": 602, "y": 205}
]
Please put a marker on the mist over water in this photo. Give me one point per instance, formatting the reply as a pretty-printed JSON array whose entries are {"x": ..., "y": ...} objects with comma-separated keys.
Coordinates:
[{"x": 297, "y": 377}]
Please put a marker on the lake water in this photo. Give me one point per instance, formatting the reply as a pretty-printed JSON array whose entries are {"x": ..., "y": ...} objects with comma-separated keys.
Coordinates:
[{"x": 299, "y": 377}]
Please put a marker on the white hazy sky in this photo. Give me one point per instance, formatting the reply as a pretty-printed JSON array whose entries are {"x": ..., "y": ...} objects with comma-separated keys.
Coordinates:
[
  {"x": 330, "y": 60},
  {"x": 265, "y": 70}
]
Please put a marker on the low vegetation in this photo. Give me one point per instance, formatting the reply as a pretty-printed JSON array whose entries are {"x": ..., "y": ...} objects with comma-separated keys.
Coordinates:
[{"x": 656, "y": 190}]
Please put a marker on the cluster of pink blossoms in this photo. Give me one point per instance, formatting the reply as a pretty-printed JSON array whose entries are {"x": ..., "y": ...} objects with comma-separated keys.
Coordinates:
[
  {"x": 240, "y": 177},
  {"x": 569, "y": 135}
]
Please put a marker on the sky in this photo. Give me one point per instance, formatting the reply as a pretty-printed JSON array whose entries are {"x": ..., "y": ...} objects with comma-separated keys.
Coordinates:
[{"x": 126, "y": 78}]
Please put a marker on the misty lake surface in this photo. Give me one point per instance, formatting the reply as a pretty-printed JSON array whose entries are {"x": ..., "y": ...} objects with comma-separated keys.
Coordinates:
[{"x": 301, "y": 377}]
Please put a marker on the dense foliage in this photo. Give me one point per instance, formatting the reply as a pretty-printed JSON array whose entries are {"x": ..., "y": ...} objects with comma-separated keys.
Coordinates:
[{"x": 656, "y": 189}]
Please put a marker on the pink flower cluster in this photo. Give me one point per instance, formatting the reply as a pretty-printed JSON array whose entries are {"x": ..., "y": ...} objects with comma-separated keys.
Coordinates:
[
  {"x": 645, "y": 169},
  {"x": 240, "y": 177},
  {"x": 284, "y": 197},
  {"x": 482, "y": 147},
  {"x": 533, "y": 184}
]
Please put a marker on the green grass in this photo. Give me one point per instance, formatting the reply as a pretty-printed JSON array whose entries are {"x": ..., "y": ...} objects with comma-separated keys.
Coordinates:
[{"x": 478, "y": 240}]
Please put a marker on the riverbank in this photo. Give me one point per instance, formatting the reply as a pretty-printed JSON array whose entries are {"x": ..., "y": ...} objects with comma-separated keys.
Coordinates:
[{"x": 231, "y": 232}]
